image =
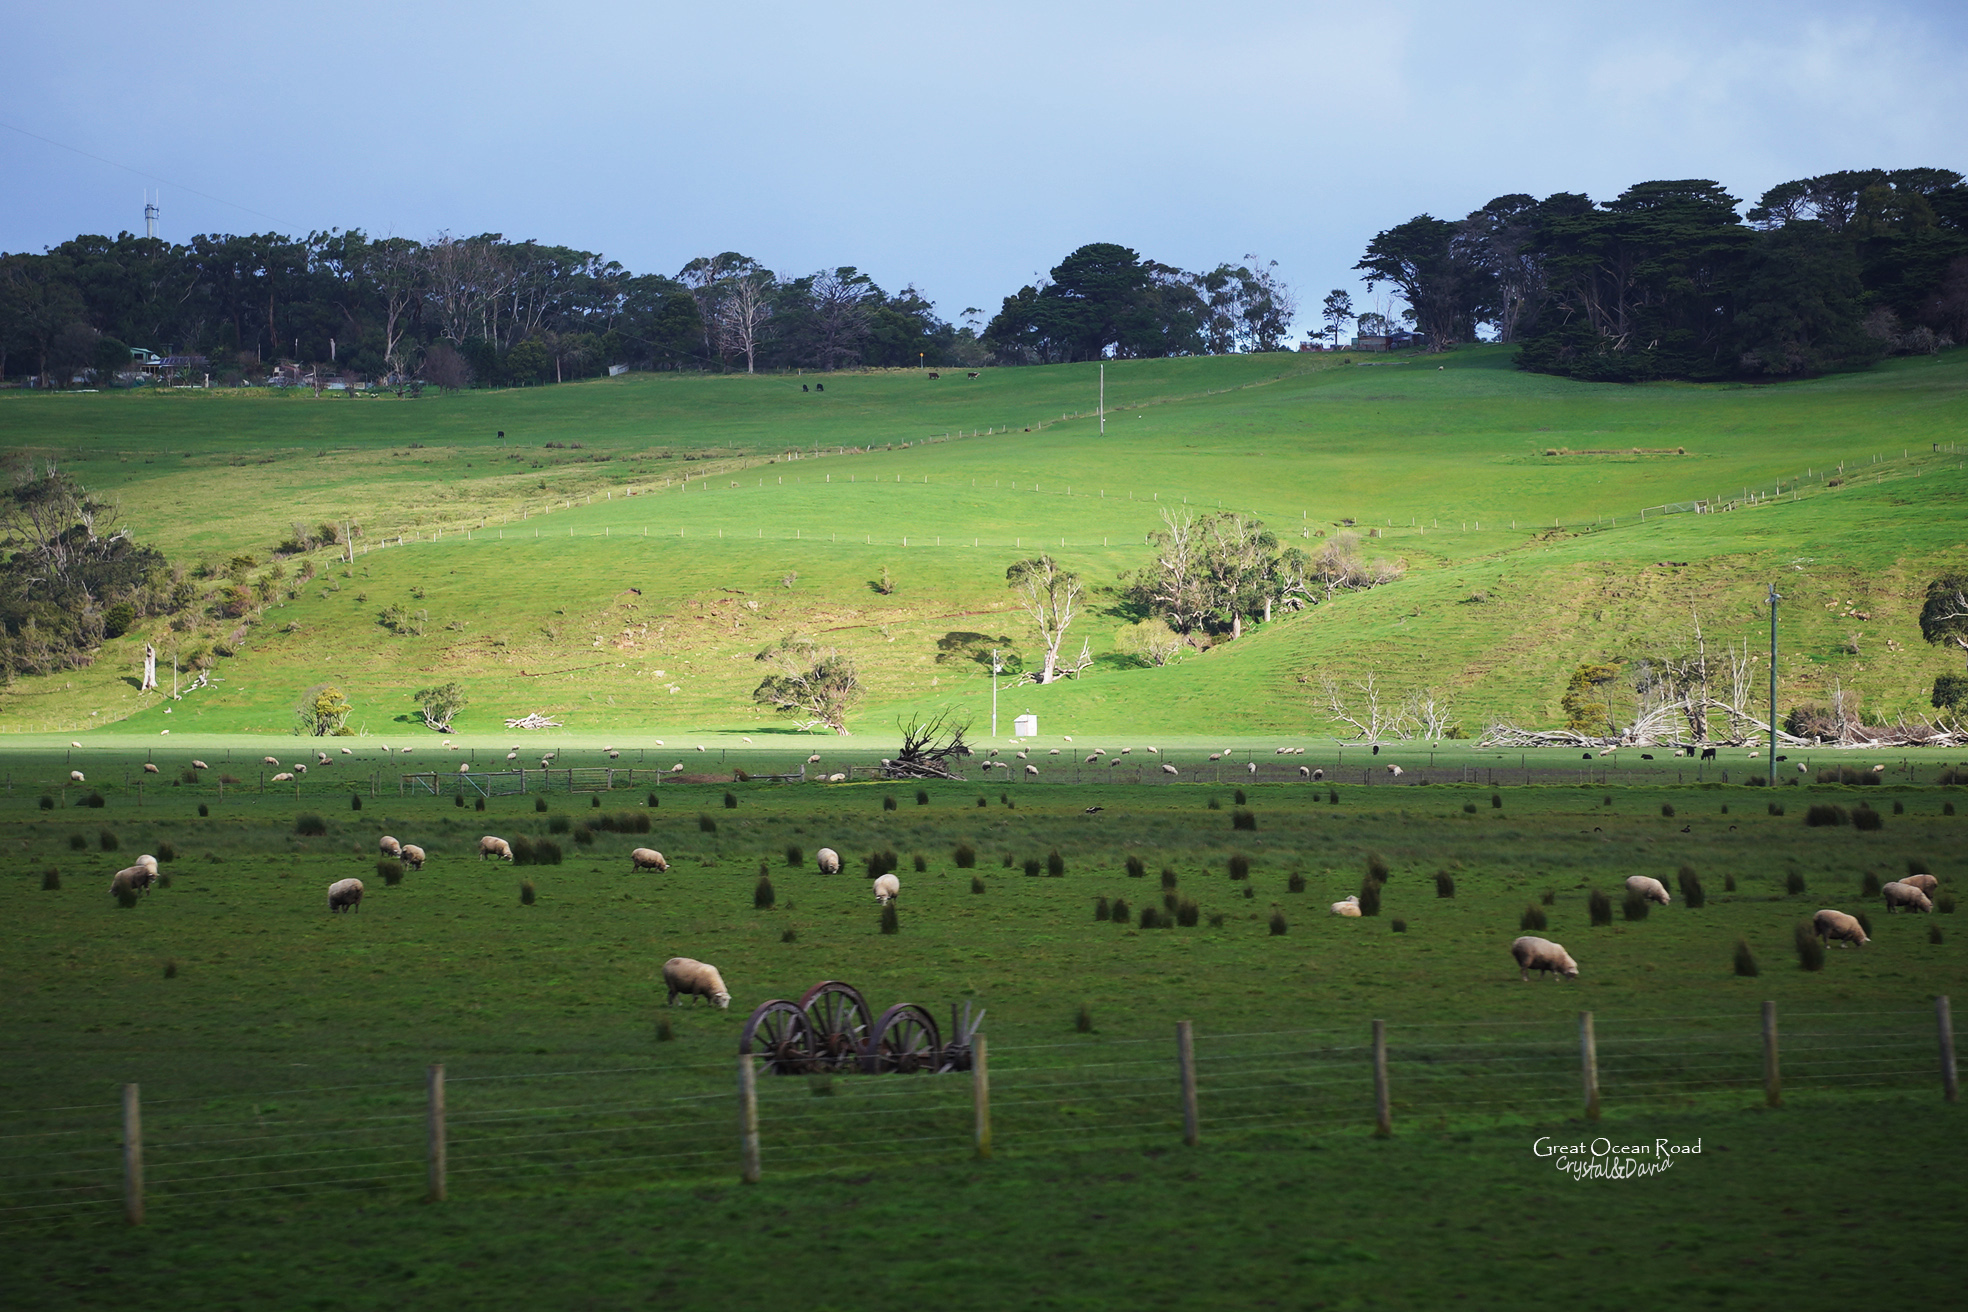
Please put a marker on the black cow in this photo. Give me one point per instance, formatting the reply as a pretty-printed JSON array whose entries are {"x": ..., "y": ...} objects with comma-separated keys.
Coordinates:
[{"x": 1708, "y": 754}]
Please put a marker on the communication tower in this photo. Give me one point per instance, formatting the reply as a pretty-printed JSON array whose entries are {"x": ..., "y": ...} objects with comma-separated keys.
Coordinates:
[{"x": 150, "y": 215}]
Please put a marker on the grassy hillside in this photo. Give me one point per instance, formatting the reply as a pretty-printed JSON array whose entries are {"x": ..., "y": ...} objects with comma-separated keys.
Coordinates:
[{"x": 761, "y": 511}]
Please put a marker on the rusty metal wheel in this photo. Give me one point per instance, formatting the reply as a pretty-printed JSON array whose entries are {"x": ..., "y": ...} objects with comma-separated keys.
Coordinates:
[
  {"x": 777, "y": 1035},
  {"x": 838, "y": 1019},
  {"x": 905, "y": 1042}
]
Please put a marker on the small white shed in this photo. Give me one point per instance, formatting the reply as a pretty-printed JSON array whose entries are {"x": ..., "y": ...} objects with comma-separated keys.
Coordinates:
[{"x": 1026, "y": 726}]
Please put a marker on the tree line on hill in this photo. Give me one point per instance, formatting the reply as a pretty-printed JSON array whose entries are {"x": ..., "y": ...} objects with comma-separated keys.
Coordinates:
[{"x": 1667, "y": 280}]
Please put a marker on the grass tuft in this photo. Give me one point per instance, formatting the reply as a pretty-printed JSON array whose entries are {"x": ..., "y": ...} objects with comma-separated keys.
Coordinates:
[
  {"x": 50, "y": 879},
  {"x": 1241, "y": 819},
  {"x": 1032, "y": 865},
  {"x": 730, "y": 801},
  {"x": 1083, "y": 1023},
  {"x": 965, "y": 857},
  {"x": 922, "y": 797},
  {"x": 1793, "y": 883},
  {"x": 526, "y": 893},
  {"x": 1691, "y": 888},
  {"x": 1667, "y": 809},
  {"x": 389, "y": 871},
  {"x": 706, "y": 825},
  {"x": 1055, "y": 864},
  {"x": 1101, "y": 908},
  {"x": 976, "y": 884},
  {"x": 763, "y": 897},
  {"x": 1599, "y": 908},
  {"x": 888, "y": 803},
  {"x": 1136, "y": 867},
  {"x": 1533, "y": 918},
  {"x": 1377, "y": 868},
  {"x": 1399, "y": 926},
  {"x": 666, "y": 1032},
  {"x": 355, "y": 801},
  {"x": 1445, "y": 884},
  {"x": 1496, "y": 801},
  {"x": 1295, "y": 883},
  {"x": 1277, "y": 923},
  {"x": 1867, "y": 819},
  {"x": 107, "y": 840},
  {"x": 1118, "y": 913},
  {"x": 1635, "y": 907},
  {"x": 890, "y": 922},
  {"x": 1824, "y": 814},
  {"x": 1746, "y": 962},
  {"x": 795, "y": 856},
  {"x": 1810, "y": 948}
]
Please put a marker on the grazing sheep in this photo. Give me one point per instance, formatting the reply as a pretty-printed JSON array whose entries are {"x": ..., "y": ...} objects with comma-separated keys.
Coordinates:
[
  {"x": 348, "y": 751},
  {"x": 282, "y": 778},
  {"x": 75, "y": 776},
  {"x": 200, "y": 765},
  {"x": 1544, "y": 956},
  {"x": 149, "y": 768},
  {"x": 1169, "y": 769},
  {"x": 1253, "y": 767},
  {"x": 1925, "y": 883},
  {"x": 269, "y": 760},
  {"x": 696, "y": 978},
  {"x": 1802, "y": 768},
  {"x": 1305, "y": 772},
  {"x": 390, "y": 847},
  {"x": 1651, "y": 889},
  {"x": 836, "y": 778},
  {"x": 1031, "y": 769},
  {"x": 1091, "y": 759},
  {"x": 73, "y": 743},
  {"x": 512, "y": 756},
  {"x": 1126, "y": 750},
  {"x": 137, "y": 878},
  {"x": 413, "y": 856},
  {"x": 813, "y": 759},
  {"x": 677, "y": 768},
  {"x": 1318, "y": 774},
  {"x": 1879, "y": 769},
  {"x": 1829, "y": 924},
  {"x": 1349, "y": 907},
  {"x": 1899, "y": 895},
  {"x": 345, "y": 895},
  {"x": 1216, "y": 756},
  {"x": 490, "y": 846},
  {"x": 1020, "y": 755},
  {"x": 1053, "y": 752},
  {"x": 828, "y": 860},
  {"x": 322, "y": 758},
  {"x": 887, "y": 889},
  {"x": 1154, "y": 751},
  {"x": 300, "y": 769},
  {"x": 1395, "y": 770},
  {"x": 647, "y": 858}
]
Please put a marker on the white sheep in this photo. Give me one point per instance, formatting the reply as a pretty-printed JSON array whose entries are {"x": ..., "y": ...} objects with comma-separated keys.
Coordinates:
[
  {"x": 149, "y": 768},
  {"x": 677, "y": 768},
  {"x": 491, "y": 846},
  {"x": 1032, "y": 769},
  {"x": 300, "y": 769},
  {"x": 684, "y": 975},
  {"x": 269, "y": 760},
  {"x": 1829, "y": 925},
  {"x": 1349, "y": 907},
  {"x": 1899, "y": 895},
  {"x": 1126, "y": 750},
  {"x": 1154, "y": 751},
  {"x": 836, "y": 778},
  {"x": 1318, "y": 774},
  {"x": 1169, "y": 769},
  {"x": 348, "y": 751},
  {"x": 1395, "y": 770},
  {"x": 390, "y": 847},
  {"x": 199, "y": 765},
  {"x": 813, "y": 759},
  {"x": 1053, "y": 752},
  {"x": 464, "y": 767},
  {"x": 1091, "y": 759},
  {"x": 828, "y": 860},
  {"x": 887, "y": 889},
  {"x": 73, "y": 743},
  {"x": 1544, "y": 956},
  {"x": 1305, "y": 772},
  {"x": 75, "y": 776},
  {"x": 1650, "y": 889},
  {"x": 1253, "y": 767},
  {"x": 512, "y": 756},
  {"x": 647, "y": 858},
  {"x": 282, "y": 778},
  {"x": 137, "y": 878},
  {"x": 1216, "y": 756},
  {"x": 413, "y": 856},
  {"x": 345, "y": 895},
  {"x": 1925, "y": 883}
]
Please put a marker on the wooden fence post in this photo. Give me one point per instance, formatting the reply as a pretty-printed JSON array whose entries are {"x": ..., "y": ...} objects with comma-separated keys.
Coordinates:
[
  {"x": 1185, "y": 1057},
  {"x": 1383, "y": 1109},
  {"x": 1772, "y": 1072},
  {"x": 1589, "y": 1064},
  {"x": 1944, "y": 1019},
  {"x": 748, "y": 1121},
  {"x": 435, "y": 1126},
  {"x": 133, "y": 1184},
  {"x": 980, "y": 1093}
]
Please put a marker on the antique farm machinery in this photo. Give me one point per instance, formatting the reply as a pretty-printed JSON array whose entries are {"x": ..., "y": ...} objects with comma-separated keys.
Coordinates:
[{"x": 832, "y": 1030}]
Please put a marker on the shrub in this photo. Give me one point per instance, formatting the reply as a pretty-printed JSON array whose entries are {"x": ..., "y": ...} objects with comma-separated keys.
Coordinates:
[
  {"x": 1083, "y": 1023},
  {"x": 1332, "y": 795},
  {"x": 1822, "y": 814},
  {"x": 1691, "y": 888},
  {"x": 478, "y": 804},
  {"x": 1635, "y": 907},
  {"x": 1399, "y": 926},
  {"x": 880, "y": 863},
  {"x": 47, "y": 802},
  {"x": 1869, "y": 885},
  {"x": 107, "y": 839},
  {"x": 922, "y": 797},
  {"x": 1032, "y": 864},
  {"x": 1150, "y": 918},
  {"x": 1296, "y": 883},
  {"x": 666, "y": 1032},
  {"x": 1369, "y": 898},
  {"x": 1934, "y": 933},
  {"x": 1136, "y": 867},
  {"x": 1496, "y": 801},
  {"x": 526, "y": 893},
  {"x": 1469, "y": 808},
  {"x": 1810, "y": 949},
  {"x": 1899, "y": 807},
  {"x": 540, "y": 803},
  {"x": 51, "y": 879},
  {"x": 1793, "y": 883},
  {"x": 1100, "y": 908},
  {"x": 204, "y": 810},
  {"x": 1667, "y": 809},
  {"x": 595, "y": 801},
  {"x": 1745, "y": 963},
  {"x": 1187, "y": 913},
  {"x": 1241, "y": 799},
  {"x": 355, "y": 801},
  {"x": 762, "y": 895},
  {"x": 1215, "y": 805},
  {"x": 1055, "y": 863},
  {"x": 888, "y": 803},
  {"x": 1775, "y": 808},
  {"x": 1277, "y": 923},
  {"x": 653, "y": 801},
  {"x": 1867, "y": 819},
  {"x": 558, "y": 824},
  {"x": 94, "y": 801},
  {"x": 459, "y": 801},
  {"x": 1947, "y": 808},
  {"x": 1377, "y": 868},
  {"x": 1728, "y": 883},
  {"x": 1445, "y": 884},
  {"x": 1118, "y": 913},
  {"x": 1168, "y": 876},
  {"x": 1533, "y": 918},
  {"x": 77, "y": 843},
  {"x": 890, "y": 922},
  {"x": 706, "y": 825},
  {"x": 167, "y": 852},
  {"x": 1243, "y": 820},
  {"x": 389, "y": 871},
  {"x": 922, "y": 863},
  {"x": 982, "y": 802},
  {"x": 1600, "y": 908},
  {"x": 976, "y": 884},
  {"x": 1239, "y": 866},
  {"x": 965, "y": 856}
]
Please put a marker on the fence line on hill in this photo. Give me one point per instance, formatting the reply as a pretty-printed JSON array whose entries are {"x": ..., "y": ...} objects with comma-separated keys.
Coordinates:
[{"x": 432, "y": 1133}]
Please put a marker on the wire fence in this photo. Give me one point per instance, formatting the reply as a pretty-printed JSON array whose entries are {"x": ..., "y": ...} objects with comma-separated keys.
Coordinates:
[{"x": 489, "y": 1133}]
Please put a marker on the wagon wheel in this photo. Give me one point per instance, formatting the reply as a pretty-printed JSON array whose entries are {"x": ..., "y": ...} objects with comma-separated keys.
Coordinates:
[
  {"x": 905, "y": 1043},
  {"x": 838, "y": 1020},
  {"x": 777, "y": 1034}
]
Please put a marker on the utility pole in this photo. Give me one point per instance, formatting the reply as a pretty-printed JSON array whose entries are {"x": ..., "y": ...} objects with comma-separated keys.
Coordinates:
[
  {"x": 995, "y": 667},
  {"x": 1103, "y": 399},
  {"x": 1775, "y": 597}
]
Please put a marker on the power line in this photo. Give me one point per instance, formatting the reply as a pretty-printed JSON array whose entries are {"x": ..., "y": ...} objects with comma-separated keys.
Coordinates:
[{"x": 144, "y": 173}]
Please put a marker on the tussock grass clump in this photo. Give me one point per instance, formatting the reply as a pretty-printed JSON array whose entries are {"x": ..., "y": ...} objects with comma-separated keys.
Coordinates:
[
  {"x": 540, "y": 804},
  {"x": 1055, "y": 864},
  {"x": 1469, "y": 808},
  {"x": 459, "y": 801},
  {"x": 1377, "y": 868},
  {"x": 706, "y": 825},
  {"x": 126, "y": 897},
  {"x": 795, "y": 856},
  {"x": 94, "y": 801},
  {"x": 1793, "y": 883},
  {"x": 1445, "y": 884},
  {"x": 478, "y": 804},
  {"x": 355, "y": 801},
  {"x": 1169, "y": 901},
  {"x": 1945, "y": 905},
  {"x": 1599, "y": 908},
  {"x": 47, "y": 802},
  {"x": 653, "y": 801},
  {"x": 1918, "y": 866},
  {"x": 1934, "y": 933},
  {"x": 1865, "y": 818},
  {"x": 1635, "y": 907},
  {"x": 77, "y": 843},
  {"x": 170, "y": 968},
  {"x": 1032, "y": 865},
  {"x": 1496, "y": 801},
  {"x": 1168, "y": 877},
  {"x": 1136, "y": 867},
  {"x": 666, "y": 1032},
  {"x": 976, "y": 884},
  {"x": 921, "y": 863},
  {"x": 1745, "y": 961},
  {"x": 1369, "y": 897},
  {"x": 1240, "y": 798},
  {"x": 50, "y": 879},
  {"x": 558, "y": 824},
  {"x": 1277, "y": 923},
  {"x": 789, "y": 935},
  {"x": 1215, "y": 805},
  {"x": 1399, "y": 926},
  {"x": 1667, "y": 809},
  {"x": 1101, "y": 908},
  {"x": 763, "y": 896},
  {"x": 965, "y": 857},
  {"x": 108, "y": 841},
  {"x": 1533, "y": 918},
  {"x": 1119, "y": 913},
  {"x": 1845, "y": 774},
  {"x": 1150, "y": 918},
  {"x": 1083, "y": 1023},
  {"x": 1187, "y": 913},
  {"x": 535, "y": 851},
  {"x": 1691, "y": 888},
  {"x": 204, "y": 810},
  {"x": 1008, "y": 862},
  {"x": 1952, "y": 776},
  {"x": 1810, "y": 948},
  {"x": 526, "y": 894},
  {"x": 622, "y": 822},
  {"x": 730, "y": 801},
  {"x": 890, "y": 922},
  {"x": 922, "y": 797},
  {"x": 982, "y": 802},
  {"x": 1216, "y": 920},
  {"x": 1899, "y": 807},
  {"x": 1239, "y": 866},
  {"x": 1868, "y": 885},
  {"x": 1296, "y": 883},
  {"x": 1947, "y": 808},
  {"x": 1241, "y": 819},
  {"x": 584, "y": 835},
  {"x": 1548, "y": 898},
  {"x": 1865, "y": 923},
  {"x": 390, "y": 871},
  {"x": 1775, "y": 808},
  {"x": 881, "y": 863},
  {"x": 888, "y": 803},
  {"x": 1250, "y": 891},
  {"x": 168, "y": 852},
  {"x": 1728, "y": 883},
  {"x": 1823, "y": 814}
]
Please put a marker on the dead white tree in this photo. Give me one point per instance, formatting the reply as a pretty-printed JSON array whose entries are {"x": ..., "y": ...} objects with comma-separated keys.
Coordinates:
[
  {"x": 1365, "y": 706},
  {"x": 742, "y": 315},
  {"x": 1050, "y": 595}
]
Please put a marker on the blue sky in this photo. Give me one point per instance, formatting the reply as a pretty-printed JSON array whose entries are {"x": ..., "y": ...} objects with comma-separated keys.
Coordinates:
[{"x": 964, "y": 152}]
